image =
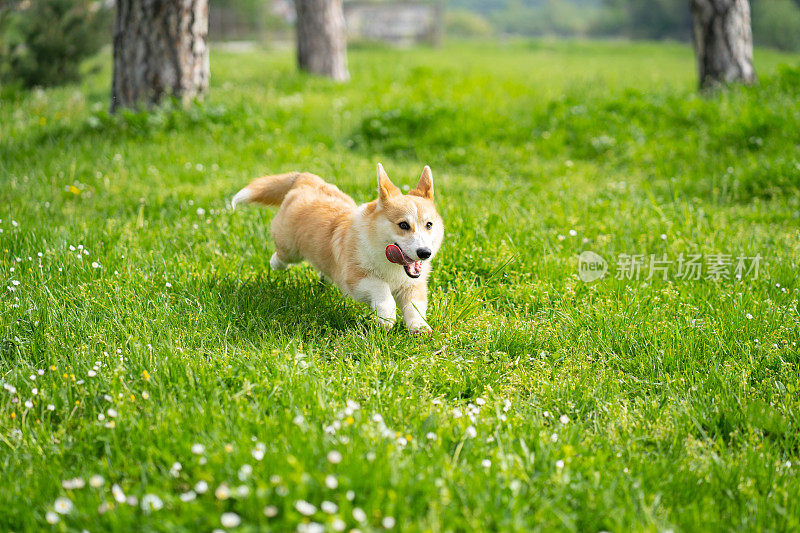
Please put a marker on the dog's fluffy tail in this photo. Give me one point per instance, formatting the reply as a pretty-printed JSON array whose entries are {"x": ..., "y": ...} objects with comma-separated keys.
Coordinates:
[{"x": 268, "y": 190}]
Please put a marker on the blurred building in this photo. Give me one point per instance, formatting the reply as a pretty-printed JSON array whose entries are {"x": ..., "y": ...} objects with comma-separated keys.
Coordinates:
[
  {"x": 402, "y": 23},
  {"x": 396, "y": 23}
]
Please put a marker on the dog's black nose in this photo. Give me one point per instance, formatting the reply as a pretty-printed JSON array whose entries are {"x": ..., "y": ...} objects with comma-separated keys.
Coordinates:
[{"x": 423, "y": 253}]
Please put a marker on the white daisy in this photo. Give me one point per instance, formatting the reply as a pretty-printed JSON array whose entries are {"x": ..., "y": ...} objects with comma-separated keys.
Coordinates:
[
  {"x": 151, "y": 502},
  {"x": 230, "y": 520},
  {"x": 223, "y": 492},
  {"x": 258, "y": 451},
  {"x": 305, "y": 508},
  {"x": 359, "y": 515},
  {"x": 118, "y": 494},
  {"x": 63, "y": 505},
  {"x": 74, "y": 483},
  {"x": 331, "y": 482},
  {"x": 270, "y": 511},
  {"x": 244, "y": 472},
  {"x": 334, "y": 457}
]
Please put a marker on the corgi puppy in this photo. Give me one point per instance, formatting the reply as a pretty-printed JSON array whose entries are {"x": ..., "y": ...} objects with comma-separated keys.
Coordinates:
[{"x": 378, "y": 253}]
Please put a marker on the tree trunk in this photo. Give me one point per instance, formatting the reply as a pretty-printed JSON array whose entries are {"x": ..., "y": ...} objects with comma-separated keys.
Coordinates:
[
  {"x": 159, "y": 49},
  {"x": 723, "y": 41},
  {"x": 321, "y": 38}
]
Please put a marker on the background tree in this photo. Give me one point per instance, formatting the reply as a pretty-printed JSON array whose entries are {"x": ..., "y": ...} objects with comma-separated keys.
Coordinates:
[
  {"x": 723, "y": 41},
  {"x": 321, "y": 38},
  {"x": 159, "y": 49}
]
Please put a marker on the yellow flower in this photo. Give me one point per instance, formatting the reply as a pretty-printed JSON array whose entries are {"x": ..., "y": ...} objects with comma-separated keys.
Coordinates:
[
  {"x": 53, "y": 368},
  {"x": 349, "y": 420},
  {"x": 133, "y": 398},
  {"x": 65, "y": 375},
  {"x": 229, "y": 448},
  {"x": 13, "y": 416},
  {"x": 146, "y": 375}
]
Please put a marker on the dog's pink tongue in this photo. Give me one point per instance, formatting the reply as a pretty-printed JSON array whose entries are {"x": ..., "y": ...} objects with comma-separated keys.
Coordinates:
[{"x": 394, "y": 254}]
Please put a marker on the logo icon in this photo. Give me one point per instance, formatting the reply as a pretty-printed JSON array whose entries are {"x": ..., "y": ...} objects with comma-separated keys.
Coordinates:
[{"x": 591, "y": 267}]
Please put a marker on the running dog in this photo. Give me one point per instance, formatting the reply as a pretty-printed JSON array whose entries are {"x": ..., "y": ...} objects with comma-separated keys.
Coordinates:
[{"x": 378, "y": 253}]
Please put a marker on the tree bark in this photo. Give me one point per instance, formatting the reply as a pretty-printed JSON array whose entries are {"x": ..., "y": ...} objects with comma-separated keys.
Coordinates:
[
  {"x": 321, "y": 38},
  {"x": 159, "y": 50},
  {"x": 723, "y": 41}
]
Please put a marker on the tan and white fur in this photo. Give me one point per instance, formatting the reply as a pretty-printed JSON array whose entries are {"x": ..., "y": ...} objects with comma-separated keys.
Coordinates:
[{"x": 346, "y": 243}]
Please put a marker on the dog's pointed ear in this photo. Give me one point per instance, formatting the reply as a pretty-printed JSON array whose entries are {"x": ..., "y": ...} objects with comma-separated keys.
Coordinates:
[
  {"x": 425, "y": 186},
  {"x": 386, "y": 189}
]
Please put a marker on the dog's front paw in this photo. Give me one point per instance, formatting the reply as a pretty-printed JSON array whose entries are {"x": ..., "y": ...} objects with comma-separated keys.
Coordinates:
[
  {"x": 385, "y": 323},
  {"x": 420, "y": 327}
]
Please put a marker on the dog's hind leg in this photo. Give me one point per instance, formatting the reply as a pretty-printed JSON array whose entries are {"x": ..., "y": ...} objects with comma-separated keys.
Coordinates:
[{"x": 277, "y": 263}]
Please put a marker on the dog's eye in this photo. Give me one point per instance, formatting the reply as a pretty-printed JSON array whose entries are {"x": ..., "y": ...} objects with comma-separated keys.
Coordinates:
[
  {"x": 429, "y": 225},
  {"x": 404, "y": 225}
]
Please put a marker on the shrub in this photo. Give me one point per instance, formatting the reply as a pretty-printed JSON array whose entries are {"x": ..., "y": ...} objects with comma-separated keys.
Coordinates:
[
  {"x": 461, "y": 23},
  {"x": 777, "y": 23},
  {"x": 42, "y": 42}
]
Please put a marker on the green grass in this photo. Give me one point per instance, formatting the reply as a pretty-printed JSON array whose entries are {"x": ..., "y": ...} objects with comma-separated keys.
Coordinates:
[{"x": 680, "y": 398}]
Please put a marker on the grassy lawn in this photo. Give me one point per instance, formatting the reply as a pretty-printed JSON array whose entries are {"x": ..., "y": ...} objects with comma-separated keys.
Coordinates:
[{"x": 144, "y": 339}]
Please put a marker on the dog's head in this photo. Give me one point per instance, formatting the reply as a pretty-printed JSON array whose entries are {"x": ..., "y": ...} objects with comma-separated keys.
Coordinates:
[{"x": 408, "y": 224}]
